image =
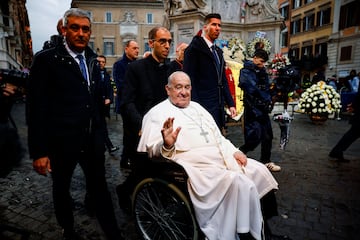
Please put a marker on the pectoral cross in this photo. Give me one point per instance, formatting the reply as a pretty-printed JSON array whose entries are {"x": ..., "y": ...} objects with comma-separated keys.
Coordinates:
[{"x": 204, "y": 134}]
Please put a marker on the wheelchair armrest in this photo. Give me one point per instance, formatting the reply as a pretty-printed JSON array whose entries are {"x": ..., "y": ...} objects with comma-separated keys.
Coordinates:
[{"x": 167, "y": 169}]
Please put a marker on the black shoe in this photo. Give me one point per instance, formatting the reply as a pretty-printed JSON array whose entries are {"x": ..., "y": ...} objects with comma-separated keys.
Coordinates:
[
  {"x": 338, "y": 157},
  {"x": 125, "y": 163},
  {"x": 113, "y": 149},
  {"x": 70, "y": 234}
]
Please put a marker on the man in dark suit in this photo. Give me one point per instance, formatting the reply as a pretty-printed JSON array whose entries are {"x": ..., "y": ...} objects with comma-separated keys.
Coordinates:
[
  {"x": 66, "y": 123},
  {"x": 143, "y": 88},
  {"x": 108, "y": 98},
  {"x": 351, "y": 135},
  {"x": 204, "y": 63},
  {"x": 131, "y": 53}
]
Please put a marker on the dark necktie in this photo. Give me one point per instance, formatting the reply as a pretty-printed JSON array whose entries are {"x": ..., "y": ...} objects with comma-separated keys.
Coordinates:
[
  {"x": 216, "y": 56},
  {"x": 82, "y": 66}
]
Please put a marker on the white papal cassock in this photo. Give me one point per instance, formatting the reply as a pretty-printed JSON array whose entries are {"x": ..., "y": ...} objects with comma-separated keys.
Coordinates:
[{"x": 226, "y": 198}]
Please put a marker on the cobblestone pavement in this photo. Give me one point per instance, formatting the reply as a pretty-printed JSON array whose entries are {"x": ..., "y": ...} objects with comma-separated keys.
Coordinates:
[{"x": 317, "y": 198}]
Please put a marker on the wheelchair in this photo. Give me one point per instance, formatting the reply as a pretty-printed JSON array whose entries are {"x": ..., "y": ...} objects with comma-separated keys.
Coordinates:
[{"x": 161, "y": 204}]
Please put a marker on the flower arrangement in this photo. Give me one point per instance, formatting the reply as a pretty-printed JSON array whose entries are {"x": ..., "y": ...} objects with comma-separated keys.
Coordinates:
[
  {"x": 263, "y": 43},
  {"x": 320, "y": 99},
  {"x": 234, "y": 50},
  {"x": 278, "y": 62}
]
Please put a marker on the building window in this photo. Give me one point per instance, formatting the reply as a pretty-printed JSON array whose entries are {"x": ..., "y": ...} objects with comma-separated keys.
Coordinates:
[
  {"x": 294, "y": 53},
  {"x": 349, "y": 15},
  {"x": 90, "y": 15},
  {"x": 284, "y": 38},
  {"x": 296, "y": 3},
  {"x": 91, "y": 45},
  {"x": 295, "y": 26},
  {"x": 323, "y": 17},
  {"x": 345, "y": 53},
  {"x": 321, "y": 49},
  {"x": 308, "y": 22},
  {"x": 149, "y": 18},
  {"x": 306, "y": 51},
  {"x": 108, "y": 17},
  {"x": 146, "y": 46},
  {"x": 108, "y": 47},
  {"x": 285, "y": 12},
  {"x": 321, "y": 54}
]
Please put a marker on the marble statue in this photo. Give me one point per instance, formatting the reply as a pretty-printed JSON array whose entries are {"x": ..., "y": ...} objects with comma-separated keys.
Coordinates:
[
  {"x": 173, "y": 7},
  {"x": 264, "y": 8}
]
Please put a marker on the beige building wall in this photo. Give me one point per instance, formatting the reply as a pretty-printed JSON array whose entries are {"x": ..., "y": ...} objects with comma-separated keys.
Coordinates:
[
  {"x": 129, "y": 21},
  {"x": 317, "y": 33}
]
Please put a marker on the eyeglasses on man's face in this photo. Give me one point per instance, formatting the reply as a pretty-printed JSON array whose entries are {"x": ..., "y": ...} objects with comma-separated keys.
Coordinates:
[{"x": 163, "y": 41}]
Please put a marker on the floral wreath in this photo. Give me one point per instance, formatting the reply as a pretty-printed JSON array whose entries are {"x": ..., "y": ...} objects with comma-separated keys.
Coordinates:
[
  {"x": 235, "y": 50},
  {"x": 236, "y": 44},
  {"x": 250, "y": 46}
]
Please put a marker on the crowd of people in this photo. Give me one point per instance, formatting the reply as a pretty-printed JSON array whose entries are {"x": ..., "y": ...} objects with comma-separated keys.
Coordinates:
[{"x": 170, "y": 109}]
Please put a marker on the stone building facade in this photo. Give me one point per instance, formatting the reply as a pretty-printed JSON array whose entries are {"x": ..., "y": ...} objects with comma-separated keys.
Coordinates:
[
  {"x": 116, "y": 21},
  {"x": 15, "y": 39},
  {"x": 322, "y": 36}
]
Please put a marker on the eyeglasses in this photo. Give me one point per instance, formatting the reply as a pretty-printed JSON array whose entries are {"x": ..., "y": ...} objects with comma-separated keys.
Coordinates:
[
  {"x": 163, "y": 41},
  {"x": 76, "y": 28}
]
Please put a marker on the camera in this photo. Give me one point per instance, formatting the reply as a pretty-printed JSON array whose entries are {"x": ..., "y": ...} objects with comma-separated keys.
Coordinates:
[{"x": 14, "y": 77}]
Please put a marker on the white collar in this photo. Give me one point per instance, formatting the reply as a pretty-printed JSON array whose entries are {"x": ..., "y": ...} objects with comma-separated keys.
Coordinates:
[
  {"x": 208, "y": 42},
  {"x": 74, "y": 54}
]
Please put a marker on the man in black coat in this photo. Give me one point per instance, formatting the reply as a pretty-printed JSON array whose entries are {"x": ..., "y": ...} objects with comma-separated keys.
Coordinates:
[
  {"x": 66, "y": 123},
  {"x": 131, "y": 53},
  {"x": 108, "y": 98},
  {"x": 204, "y": 63},
  {"x": 143, "y": 88},
  {"x": 351, "y": 135}
]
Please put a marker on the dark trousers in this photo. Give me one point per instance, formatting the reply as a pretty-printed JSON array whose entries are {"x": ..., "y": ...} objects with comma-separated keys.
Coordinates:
[
  {"x": 108, "y": 143},
  {"x": 258, "y": 131},
  {"x": 347, "y": 139},
  {"x": 130, "y": 139},
  {"x": 64, "y": 157}
]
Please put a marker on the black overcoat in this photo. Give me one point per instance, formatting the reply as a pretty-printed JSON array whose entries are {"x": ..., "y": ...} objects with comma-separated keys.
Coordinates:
[
  {"x": 209, "y": 86},
  {"x": 143, "y": 88},
  {"x": 61, "y": 105}
]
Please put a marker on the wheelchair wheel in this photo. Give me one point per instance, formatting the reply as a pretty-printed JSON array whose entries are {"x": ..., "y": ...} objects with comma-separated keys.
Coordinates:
[{"x": 162, "y": 211}]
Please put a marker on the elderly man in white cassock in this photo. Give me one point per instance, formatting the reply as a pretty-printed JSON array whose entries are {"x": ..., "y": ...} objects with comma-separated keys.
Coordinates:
[{"x": 224, "y": 185}]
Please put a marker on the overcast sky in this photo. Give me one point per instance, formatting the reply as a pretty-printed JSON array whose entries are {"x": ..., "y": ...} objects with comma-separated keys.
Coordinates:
[{"x": 43, "y": 17}]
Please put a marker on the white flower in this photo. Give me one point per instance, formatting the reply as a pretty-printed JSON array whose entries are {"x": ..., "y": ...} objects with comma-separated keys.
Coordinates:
[{"x": 319, "y": 98}]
